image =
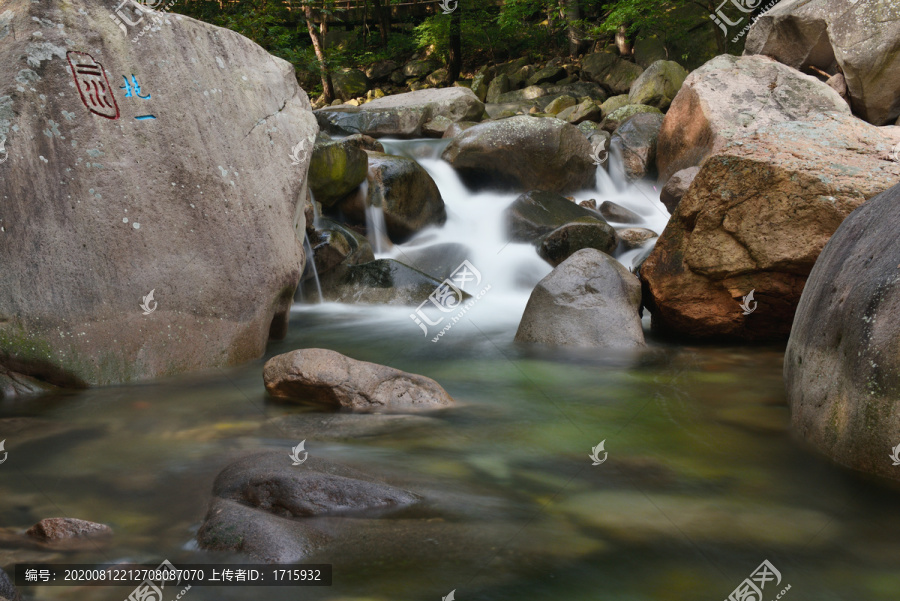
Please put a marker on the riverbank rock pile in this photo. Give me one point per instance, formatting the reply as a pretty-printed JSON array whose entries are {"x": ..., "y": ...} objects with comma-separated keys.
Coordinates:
[{"x": 141, "y": 233}]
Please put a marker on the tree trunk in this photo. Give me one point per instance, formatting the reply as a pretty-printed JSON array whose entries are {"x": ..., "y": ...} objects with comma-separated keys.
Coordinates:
[
  {"x": 573, "y": 32},
  {"x": 622, "y": 42},
  {"x": 455, "y": 46},
  {"x": 384, "y": 22},
  {"x": 327, "y": 87}
]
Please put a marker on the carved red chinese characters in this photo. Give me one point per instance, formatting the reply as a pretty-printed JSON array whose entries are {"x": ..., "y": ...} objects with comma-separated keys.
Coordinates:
[{"x": 90, "y": 78}]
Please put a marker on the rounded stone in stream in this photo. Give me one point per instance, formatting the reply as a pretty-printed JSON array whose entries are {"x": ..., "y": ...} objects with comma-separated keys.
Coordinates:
[
  {"x": 634, "y": 237},
  {"x": 589, "y": 300},
  {"x": 321, "y": 376},
  {"x": 536, "y": 214},
  {"x": 616, "y": 212},
  {"x": 258, "y": 498},
  {"x": 346, "y": 426},
  {"x": 563, "y": 242},
  {"x": 54, "y": 529}
]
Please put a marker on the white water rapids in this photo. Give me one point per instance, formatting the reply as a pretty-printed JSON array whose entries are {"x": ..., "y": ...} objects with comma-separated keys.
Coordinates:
[{"x": 476, "y": 220}]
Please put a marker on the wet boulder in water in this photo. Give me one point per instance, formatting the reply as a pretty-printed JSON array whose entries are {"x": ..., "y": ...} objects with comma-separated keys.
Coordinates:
[
  {"x": 733, "y": 97},
  {"x": 755, "y": 218},
  {"x": 564, "y": 241},
  {"x": 57, "y": 529},
  {"x": 634, "y": 237},
  {"x": 589, "y": 300},
  {"x": 523, "y": 153},
  {"x": 617, "y": 213},
  {"x": 535, "y": 214},
  {"x": 842, "y": 363},
  {"x": 324, "y": 377},
  {"x": 402, "y": 115},
  {"x": 264, "y": 505},
  {"x": 860, "y": 39},
  {"x": 337, "y": 168},
  {"x": 382, "y": 281},
  {"x": 335, "y": 244},
  {"x": 198, "y": 205},
  {"x": 407, "y": 196},
  {"x": 637, "y": 138}
]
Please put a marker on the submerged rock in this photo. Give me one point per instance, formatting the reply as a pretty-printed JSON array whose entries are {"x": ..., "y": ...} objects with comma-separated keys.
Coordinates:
[
  {"x": 258, "y": 499},
  {"x": 198, "y": 206},
  {"x": 324, "y": 377},
  {"x": 56, "y": 529},
  {"x": 732, "y": 97},
  {"x": 590, "y": 300},
  {"x": 523, "y": 153},
  {"x": 402, "y": 115},
  {"x": 842, "y": 365},
  {"x": 755, "y": 218}
]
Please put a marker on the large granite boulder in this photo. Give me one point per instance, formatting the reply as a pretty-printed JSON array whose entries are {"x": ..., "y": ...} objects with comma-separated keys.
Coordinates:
[
  {"x": 337, "y": 167},
  {"x": 170, "y": 191},
  {"x": 523, "y": 153},
  {"x": 755, "y": 218},
  {"x": 409, "y": 199},
  {"x": 860, "y": 39},
  {"x": 402, "y": 115},
  {"x": 324, "y": 377},
  {"x": 658, "y": 84},
  {"x": 842, "y": 364},
  {"x": 590, "y": 300},
  {"x": 731, "y": 97}
]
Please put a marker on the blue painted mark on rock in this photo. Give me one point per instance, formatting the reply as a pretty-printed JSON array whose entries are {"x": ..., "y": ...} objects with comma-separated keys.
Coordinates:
[{"x": 145, "y": 117}]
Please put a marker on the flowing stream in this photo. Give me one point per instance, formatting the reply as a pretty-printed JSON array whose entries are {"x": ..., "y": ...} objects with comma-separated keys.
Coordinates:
[{"x": 701, "y": 482}]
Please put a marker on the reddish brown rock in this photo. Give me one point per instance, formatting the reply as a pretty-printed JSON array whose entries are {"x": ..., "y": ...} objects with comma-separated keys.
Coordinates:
[
  {"x": 56, "y": 529},
  {"x": 731, "y": 97},
  {"x": 321, "y": 376},
  {"x": 755, "y": 218}
]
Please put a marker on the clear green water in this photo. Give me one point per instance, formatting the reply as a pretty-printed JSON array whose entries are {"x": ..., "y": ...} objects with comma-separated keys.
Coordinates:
[{"x": 702, "y": 482}]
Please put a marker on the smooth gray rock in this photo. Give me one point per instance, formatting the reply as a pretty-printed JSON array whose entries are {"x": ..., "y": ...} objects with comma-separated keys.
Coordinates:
[
  {"x": 535, "y": 214},
  {"x": 842, "y": 363},
  {"x": 523, "y": 153},
  {"x": 199, "y": 205},
  {"x": 402, "y": 115},
  {"x": 590, "y": 300},
  {"x": 617, "y": 213},
  {"x": 324, "y": 377}
]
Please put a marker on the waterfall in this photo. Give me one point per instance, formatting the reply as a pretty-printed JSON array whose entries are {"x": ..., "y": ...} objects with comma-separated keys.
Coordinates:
[
  {"x": 376, "y": 228},
  {"x": 311, "y": 265}
]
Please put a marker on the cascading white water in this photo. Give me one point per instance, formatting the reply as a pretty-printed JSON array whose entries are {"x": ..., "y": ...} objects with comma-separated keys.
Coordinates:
[
  {"x": 311, "y": 264},
  {"x": 376, "y": 228},
  {"x": 476, "y": 220}
]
